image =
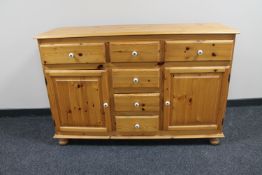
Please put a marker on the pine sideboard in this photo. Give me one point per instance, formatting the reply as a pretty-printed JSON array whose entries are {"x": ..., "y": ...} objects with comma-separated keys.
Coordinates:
[{"x": 162, "y": 81}]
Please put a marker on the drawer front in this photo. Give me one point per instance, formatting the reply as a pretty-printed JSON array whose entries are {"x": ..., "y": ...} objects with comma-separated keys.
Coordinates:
[
  {"x": 137, "y": 124},
  {"x": 148, "y": 102},
  {"x": 73, "y": 53},
  {"x": 193, "y": 50},
  {"x": 135, "y": 78},
  {"x": 135, "y": 51}
]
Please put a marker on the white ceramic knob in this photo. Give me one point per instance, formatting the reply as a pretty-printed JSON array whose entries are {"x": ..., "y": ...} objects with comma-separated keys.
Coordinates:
[
  {"x": 200, "y": 52},
  {"x": 105, "y": 105},
  {"x": 167, "y": 103},
  {"x": 71, "y": 55},
  {"x": 134, "y": 53},
  {"x": 136, "y": 104},
  {"x": 135, "y": 80},
  {"x": 137, "y": 126}
]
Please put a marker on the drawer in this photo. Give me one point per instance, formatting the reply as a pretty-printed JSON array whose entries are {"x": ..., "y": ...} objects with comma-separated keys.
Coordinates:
[
  {"x": 137, "y": 123},
  {"x": 142, "y": 51},
  {"x": 148, "y": 102},
  {"x": 135, "y": 78},
  {"x": 191, "y": 50},
  {"x": 73, "y": 53}
]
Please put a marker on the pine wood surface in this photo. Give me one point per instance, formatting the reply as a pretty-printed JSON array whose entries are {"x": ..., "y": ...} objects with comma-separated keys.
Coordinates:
[
  {"x": 146, "y": 29},
  {"x": 106, "y": 91}
]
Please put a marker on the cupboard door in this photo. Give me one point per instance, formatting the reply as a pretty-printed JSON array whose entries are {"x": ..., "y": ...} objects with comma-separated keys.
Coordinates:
[
  {"x": 78, "y": 98},
  {"x": 195, "y": 97}
]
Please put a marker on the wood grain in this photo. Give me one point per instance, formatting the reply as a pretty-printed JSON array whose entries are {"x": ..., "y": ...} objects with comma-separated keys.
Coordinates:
[
  {"x": 145, "y": 123},
  {"x": 148, "y": 102},
  {"x": 79, "y": 100},
  {"x": 146, "y": 51},
  {"x": 194, "y": 96},
  {"x": 147, "y": 78},
  {"x": 167, "y": 67},
  {"x": 83, "y": 53},
  {"x": 143, "y": 29},
  {"x": 186, "y": 50}
]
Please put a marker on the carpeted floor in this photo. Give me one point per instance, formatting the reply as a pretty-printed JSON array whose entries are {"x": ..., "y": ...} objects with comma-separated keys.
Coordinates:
[{"x": 27, "y": 147}]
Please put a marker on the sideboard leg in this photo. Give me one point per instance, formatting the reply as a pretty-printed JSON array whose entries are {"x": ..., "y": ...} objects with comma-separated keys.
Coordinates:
[
  {"x": 63, "y": 141},
  {"x": 214, "y": 141}
]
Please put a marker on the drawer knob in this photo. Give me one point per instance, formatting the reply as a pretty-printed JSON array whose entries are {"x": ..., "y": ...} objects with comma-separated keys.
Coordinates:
[
  {"x": 135, "y": 80},
  {"x": 136, "y": 104},
  {"x": 167, "y": 103},
  {"x": 71, "y": 55},
  {"x": 105, "y": 105},
  {"x": 134, "y": 53},
  {"x": 200, "y": 52},
  {"x": 137, "y": 126}
]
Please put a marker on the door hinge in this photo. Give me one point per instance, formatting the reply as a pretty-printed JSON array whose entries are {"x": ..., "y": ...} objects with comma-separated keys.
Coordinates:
[
  {"x": 229, "y": 76},
  {"x": 222, "y": 123},
  {"x": 45, "y": 81}
]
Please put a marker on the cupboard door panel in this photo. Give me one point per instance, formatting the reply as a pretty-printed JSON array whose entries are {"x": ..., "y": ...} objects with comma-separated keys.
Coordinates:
[
  {"x": 80, "y": 98},
  {"x": 195, "y": 96}
]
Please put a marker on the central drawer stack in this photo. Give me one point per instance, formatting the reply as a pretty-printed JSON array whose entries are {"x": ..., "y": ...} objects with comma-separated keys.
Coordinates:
[{"x": 136, "y": 91}]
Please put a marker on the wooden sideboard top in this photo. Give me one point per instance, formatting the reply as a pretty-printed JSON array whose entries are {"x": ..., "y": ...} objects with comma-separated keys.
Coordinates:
[{"x": 147, "y": 29}]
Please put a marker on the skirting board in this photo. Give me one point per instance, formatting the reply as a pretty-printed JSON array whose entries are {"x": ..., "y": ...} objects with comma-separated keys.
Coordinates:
[
  {"x": 46, "y": 111},
  {"x": 244, "y": 102},
  {"x": 25, "y": 112}
]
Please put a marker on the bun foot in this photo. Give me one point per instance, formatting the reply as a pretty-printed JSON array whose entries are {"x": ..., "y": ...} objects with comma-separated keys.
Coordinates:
[
  {"x": 63, "y": 141},
  {"x": 214, "y": 141}
]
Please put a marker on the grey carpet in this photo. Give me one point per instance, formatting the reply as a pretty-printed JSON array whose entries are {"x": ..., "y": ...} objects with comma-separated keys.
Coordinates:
[{"x": 27, "y": 147}]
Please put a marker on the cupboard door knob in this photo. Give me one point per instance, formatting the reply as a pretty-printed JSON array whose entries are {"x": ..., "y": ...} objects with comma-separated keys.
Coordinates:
[
  {"x": 105, "y": 105},
  {"x": 136, "y": 104},
  {"x": 200, "y": 52},
  {"x": 167, "y": 103},
  {"x": 71, "y": 55},
  {"x": 135, "y": 80},
  {"x": 137, "y": 126},
  {"x": 134, "y": 53}
]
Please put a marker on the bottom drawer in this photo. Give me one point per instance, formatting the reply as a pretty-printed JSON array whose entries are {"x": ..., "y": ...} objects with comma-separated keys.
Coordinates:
[{"x": 137, "y": 124}]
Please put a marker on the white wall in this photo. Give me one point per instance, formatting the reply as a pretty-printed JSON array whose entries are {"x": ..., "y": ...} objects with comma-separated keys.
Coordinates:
[{"x": 21, "y": 80}]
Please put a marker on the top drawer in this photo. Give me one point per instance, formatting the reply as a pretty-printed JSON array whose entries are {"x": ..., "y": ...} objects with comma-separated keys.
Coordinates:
[
  {"x": 73, "y": 53},
  {"x": 191, "y": 50},
  {"x": 141, "y": 51}
]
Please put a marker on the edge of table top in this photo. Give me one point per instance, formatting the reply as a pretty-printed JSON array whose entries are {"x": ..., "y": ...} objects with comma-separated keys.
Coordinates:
[{"x": 140, "y": 29}]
